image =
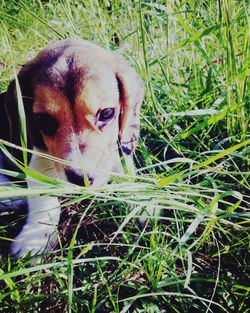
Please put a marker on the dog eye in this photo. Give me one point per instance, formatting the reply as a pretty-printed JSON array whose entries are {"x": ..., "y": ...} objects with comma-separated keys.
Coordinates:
[
  {"x": 106, "y": 115},
  {"x": 46, "y": 123}
]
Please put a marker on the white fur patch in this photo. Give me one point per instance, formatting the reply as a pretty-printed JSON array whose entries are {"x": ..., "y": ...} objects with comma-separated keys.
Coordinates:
[{"x": 39, "y": 232}]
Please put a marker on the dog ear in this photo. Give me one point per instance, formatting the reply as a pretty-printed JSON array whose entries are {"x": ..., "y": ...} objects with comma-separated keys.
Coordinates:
[
  {"x": 131, "y": 90},
  {"x": 4, "y": 125},
  {"x": 25, "y": 81}
]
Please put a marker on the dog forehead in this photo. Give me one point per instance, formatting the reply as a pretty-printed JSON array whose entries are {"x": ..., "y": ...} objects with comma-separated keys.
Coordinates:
[
  {"x": 100, "y": 91},
  {"x": 80, "y": 74}
]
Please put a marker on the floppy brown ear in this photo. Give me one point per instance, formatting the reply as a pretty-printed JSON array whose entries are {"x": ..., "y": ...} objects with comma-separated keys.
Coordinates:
[
  {"x": 25, "y": 81},
  {"x": 131, "y": 89}
]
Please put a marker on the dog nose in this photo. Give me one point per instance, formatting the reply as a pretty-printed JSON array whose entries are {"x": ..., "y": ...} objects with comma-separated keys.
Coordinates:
[
  {"x": 74, "y": 178},
  {"x": 77, "y": 179}
]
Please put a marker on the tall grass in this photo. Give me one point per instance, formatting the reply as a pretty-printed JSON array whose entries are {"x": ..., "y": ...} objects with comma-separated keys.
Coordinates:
[{"x": 192, "y": 165}]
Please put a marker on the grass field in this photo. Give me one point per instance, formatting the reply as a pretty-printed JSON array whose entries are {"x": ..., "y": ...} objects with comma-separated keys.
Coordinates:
[{"x": 192, "y": 164}]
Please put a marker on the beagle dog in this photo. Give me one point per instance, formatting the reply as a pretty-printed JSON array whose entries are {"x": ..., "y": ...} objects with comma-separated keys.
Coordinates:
[{"x": 81, "y": 104}]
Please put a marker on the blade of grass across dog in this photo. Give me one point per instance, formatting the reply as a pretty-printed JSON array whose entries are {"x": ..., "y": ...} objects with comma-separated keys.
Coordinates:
[
  {"x": 22, "y": 120},
  {"x": 28, "y": 171},
  {"x": 14, "y": 174},
  {"x": 4, "y": 143},
  {"x": 10, "y": 192},
  {"x": 33, "y": 173}
]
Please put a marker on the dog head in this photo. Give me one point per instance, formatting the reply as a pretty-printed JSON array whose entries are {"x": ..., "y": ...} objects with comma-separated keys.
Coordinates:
[{"x": 79, "y": 100}]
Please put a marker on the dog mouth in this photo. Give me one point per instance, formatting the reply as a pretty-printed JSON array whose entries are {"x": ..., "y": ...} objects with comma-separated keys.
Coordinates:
[{"x": 78, "y": 179}]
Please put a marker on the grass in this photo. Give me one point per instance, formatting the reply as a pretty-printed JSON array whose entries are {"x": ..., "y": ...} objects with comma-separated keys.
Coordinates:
[{"x": 192, "y": 165}]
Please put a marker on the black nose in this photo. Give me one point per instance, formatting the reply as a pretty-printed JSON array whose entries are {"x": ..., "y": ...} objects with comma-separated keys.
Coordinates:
[{"x": 74, "y": 178}]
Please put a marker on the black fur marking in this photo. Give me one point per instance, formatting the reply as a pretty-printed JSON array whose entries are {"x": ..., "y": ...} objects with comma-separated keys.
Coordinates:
[
  {"x": 46, "y": 123},
  {"x": 120, "y": 88},
  {"x": 67, "y": 81},
  {"x": 126, "y": 150},
  {"x": 72, "y": 79},
  {"x": 74, "y": 178},
  {"x": 50, "y": 59},
  {"x": 43, "y": 66}
]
